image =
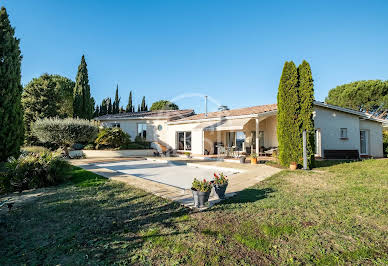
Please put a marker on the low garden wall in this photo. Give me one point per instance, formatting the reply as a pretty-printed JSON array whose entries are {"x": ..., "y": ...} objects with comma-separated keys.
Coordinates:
[{"x": 117, "y": 153}]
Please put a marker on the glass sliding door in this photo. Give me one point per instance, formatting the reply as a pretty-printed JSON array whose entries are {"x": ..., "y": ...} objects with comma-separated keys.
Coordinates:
[
  {"x": 364, "y": 142},
  {"x": 184, "y": 141},
  {"x": 230, "y": 139}
]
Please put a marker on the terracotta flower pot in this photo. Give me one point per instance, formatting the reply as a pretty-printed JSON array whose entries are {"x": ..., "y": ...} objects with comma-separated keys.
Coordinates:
[
  {"x": 253, "y": 160},
  {"x": 293, "y": 166}
]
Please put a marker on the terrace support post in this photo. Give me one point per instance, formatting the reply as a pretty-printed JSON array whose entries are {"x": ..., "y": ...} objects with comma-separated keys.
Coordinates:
[{"x": 257, "y": 135}]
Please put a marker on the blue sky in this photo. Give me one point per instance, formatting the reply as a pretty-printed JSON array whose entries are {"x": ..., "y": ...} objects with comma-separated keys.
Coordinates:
[{"x": 233, "y": 51}]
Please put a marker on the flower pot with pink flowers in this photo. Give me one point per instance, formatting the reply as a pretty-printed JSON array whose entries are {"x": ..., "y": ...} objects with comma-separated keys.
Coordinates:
[
  {"x": 201, "y": 192},
  {"x": 220, "y": 184}
]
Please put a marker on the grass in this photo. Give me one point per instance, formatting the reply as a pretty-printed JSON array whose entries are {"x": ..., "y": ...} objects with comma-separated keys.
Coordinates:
[{"x": 337, "y": 215}]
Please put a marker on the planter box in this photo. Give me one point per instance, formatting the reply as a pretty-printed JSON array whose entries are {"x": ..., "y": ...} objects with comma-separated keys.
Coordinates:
[{"x": 117, "y": 153}]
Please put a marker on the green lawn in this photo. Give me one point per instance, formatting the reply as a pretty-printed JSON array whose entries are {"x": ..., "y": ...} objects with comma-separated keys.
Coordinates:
[{"x": 335, "y": 215}]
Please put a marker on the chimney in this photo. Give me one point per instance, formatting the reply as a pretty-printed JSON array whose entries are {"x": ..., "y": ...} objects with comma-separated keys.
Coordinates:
[{"x": 205, "y": 106}]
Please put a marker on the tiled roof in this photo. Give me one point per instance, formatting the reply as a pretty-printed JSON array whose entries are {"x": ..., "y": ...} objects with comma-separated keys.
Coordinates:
[
  {"x": 163, "y": 114},
  {"x": 235, "y": 112}
]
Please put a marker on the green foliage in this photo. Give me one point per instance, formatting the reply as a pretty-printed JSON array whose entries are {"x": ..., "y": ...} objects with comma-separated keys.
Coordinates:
[
  {"x": 202, "y": 186},
  {"x": 83, "y": 178},
  {"x": 112, "y": 138},
  {"x": 89, "y": 147},
  {"x": 34, "y": 149},
  {"x": 306, "y": 95},
  {"x": 46, "y": 96},
  {"x": 366, "y": 96},
  {"x": 143, "y": 106},
  {"x": 83, "y": 103},
  {"x": 116, "y": 102},
  {"x": 220, "y": 179},
  {"x": 163, "y": 105},
  {"x": 130, "y": 108},
  {"x": 11, "y": 117},
  {"x": 64, "y": 132},
  {"x": 385, "y": 142},
  {"x": 35, "y": 170},
  {"x": 288, "y": 129}
]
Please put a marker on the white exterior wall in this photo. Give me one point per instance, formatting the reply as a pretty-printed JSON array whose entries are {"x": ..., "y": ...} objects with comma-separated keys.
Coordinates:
[
  {"x": 330, "y": 122},
  {"x": 375, "y": 138},
  {"x": 153, "y": 134}
]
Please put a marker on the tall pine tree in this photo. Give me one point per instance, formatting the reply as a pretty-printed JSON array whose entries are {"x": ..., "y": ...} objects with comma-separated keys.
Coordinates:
[
  {"x": 130, "y": 108},
  {"x": 306, "y": 95},
  {"x": 109, "y": 104},
  {"x": 11, "y": 118},
  {"x": 83, "y": 105},
  {"x": 116, "y": 102},
  {"x": 288, "y": 129}
]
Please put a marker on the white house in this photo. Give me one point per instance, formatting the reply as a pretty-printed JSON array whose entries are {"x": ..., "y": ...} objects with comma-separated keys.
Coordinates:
[{"x": 339, "y": 131}]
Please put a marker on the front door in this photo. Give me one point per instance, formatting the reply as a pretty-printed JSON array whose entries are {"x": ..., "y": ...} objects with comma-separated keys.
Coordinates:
[{"x": 364, "y": 142}]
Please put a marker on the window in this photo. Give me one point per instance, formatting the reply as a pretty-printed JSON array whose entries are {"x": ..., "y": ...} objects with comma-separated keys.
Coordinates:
[
  {"x": 240, "y": 139},
  {"x": 184, "y": 141},
  {"x": 160, "y": 127},
  {"x": 115, "y": 125},
  {"x": 230, "y": 139},
  {"x": 261, "y": 139},
  {"x": 344, "y": 133},
  {"x": 142, "y": 130}
]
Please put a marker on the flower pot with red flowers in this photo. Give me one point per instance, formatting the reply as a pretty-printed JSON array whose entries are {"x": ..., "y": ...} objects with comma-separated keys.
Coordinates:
[
  {"x": 201, "y": 192},
  {"x": 220, "y": 184},
  {"x": 293, "y": 166}
]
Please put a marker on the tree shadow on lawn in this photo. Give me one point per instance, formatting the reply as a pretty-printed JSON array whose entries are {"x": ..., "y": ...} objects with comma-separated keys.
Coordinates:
[
  {"x": 248, "y": 195},
  {"x": 80, "y": 225}
]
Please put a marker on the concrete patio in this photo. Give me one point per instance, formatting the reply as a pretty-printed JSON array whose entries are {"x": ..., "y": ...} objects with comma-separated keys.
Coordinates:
[{"x": 241, "y": 176}]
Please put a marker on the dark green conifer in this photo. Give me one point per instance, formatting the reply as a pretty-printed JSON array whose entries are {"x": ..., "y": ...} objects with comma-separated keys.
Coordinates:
[
  {"x": 83, "y": 105},
  {"x": 11, "y": 118}
]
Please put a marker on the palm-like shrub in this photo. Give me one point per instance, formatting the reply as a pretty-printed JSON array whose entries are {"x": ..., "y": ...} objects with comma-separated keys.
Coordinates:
[
  {"x": 33, "y": 171},
  {"x": 112, "y": 138},
  {"x": 64, "y": 132}
]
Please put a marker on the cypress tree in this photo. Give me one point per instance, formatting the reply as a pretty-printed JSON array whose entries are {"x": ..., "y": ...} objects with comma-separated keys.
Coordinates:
[
  {"x": 143, "y": 105},
  {"x": 116, "y": 103},
  {"x": 288, "y": 129},
  {"x": 109, "y": 105},
  {"x": 11, "y": 118},
  {"x": 83, "y": 107},
  {"x": 306, "y": 95},
  {"x": 130, "y": 107},
  {"x": 138, "y": 108},
  {"x": 96, "y": 111},
  {"x": 104, "y": 107}
]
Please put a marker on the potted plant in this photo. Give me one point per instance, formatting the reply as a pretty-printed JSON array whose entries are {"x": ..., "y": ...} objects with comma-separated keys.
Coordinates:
[
  {"x": 253, "y": 158},
  {"x": 242, "y": 159},
  {"x": 220, "y": 184},
  {"x": 188, "y": 154},
  {"x": 201, "y": 192},
  {"x": 293, "y": 165}
]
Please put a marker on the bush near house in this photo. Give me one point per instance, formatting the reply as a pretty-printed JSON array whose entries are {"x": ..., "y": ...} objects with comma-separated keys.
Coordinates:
[
  {"x": 64, "y": 132},
  {"x": 112, "y": 138},
  {"x": 33, "y": 170}
]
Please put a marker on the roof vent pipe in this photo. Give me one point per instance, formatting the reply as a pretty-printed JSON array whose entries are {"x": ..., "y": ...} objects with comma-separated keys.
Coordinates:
[{"x": 205, "y": 106}]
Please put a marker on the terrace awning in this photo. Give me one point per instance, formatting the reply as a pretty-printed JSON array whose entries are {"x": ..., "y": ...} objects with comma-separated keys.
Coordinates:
[{"x": 224, "y": 125}]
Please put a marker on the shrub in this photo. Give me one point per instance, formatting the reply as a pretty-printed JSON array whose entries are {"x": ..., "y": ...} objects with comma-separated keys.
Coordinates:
[
  {"x": 112, "y": 138},
  {"x": 64, "y": 132},
  {"x": 34, "y": 171},
  {"x": 77, "y": 146},
  {"x": 89, "y": 147},
  {"x": 132, "y": 146},
  {"x": 34, "y": 149}
]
